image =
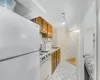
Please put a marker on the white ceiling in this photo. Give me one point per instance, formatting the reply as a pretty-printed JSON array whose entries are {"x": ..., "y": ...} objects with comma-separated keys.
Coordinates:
[{"x": 74, "y": 10}]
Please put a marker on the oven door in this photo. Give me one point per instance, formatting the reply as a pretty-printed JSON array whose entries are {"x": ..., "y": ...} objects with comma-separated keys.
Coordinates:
[{"x": 45, "y": 69}]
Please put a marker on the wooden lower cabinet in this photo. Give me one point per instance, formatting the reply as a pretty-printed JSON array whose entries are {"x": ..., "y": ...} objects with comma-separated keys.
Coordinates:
[
  {"x": 55, "y": 59},
  {"x": 53, "y": 62},
  {"x": 58, "y": 56}
]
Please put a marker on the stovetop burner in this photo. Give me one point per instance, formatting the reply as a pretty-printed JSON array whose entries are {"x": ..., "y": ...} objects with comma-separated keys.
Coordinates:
[
  {"x": 44, "y": 56},
  {"x": 41, "y": 54},
  {"x": 44, "y": 51}
]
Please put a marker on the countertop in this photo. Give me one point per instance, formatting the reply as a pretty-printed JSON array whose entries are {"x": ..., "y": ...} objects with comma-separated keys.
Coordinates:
[{"x": 49, "y": 52}]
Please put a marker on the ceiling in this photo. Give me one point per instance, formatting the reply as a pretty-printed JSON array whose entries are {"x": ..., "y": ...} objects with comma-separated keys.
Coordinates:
[{"x": 74, "y": 10}]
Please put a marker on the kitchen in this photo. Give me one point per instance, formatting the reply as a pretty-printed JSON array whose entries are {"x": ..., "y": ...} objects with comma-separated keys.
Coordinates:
[
  {"x": 55, "y": 37},
  {"x": 48, "y": 62}
]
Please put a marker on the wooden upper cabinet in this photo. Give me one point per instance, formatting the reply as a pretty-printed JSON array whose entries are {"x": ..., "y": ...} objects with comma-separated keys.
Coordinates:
[
  {"x": 49, "y": 31},
  {"x": 39, "y": 21},
  {"x": 45, "y": 27}
]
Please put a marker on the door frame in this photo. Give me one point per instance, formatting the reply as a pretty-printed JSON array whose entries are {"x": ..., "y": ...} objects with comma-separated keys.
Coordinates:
[
  {"x": 97, "y": 40},
  {"x": 81, "y": 46}
]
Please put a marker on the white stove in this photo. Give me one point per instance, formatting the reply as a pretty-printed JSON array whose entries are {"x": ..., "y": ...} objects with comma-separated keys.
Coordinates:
[
  {"x": 44, "y": 56},
  {"x": 45, "y": 65}
]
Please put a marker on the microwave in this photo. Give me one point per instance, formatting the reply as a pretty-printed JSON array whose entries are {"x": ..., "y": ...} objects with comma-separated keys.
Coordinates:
[{"x": 45, "y": 47}]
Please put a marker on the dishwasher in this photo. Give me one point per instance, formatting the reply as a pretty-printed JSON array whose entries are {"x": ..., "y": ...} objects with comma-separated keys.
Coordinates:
[{"x": 45, "y": 67}]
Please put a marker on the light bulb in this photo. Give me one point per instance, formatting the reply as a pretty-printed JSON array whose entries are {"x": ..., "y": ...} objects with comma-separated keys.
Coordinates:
[
  {"x": 76, "y": 31},
  {"x": 63, "y": 23}
]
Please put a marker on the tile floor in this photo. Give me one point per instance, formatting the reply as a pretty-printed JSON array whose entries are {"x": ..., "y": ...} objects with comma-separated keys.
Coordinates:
[{"x": 64, "y": 71}]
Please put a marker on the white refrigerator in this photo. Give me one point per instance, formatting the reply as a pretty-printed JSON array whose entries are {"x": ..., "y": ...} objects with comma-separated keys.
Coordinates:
[{"x": 19, "y": 47}]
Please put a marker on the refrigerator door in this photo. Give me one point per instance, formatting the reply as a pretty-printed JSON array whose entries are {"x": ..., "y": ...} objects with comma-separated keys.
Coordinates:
[
  {"x": 21, "y": 68},
  {"x": 17, "y": 35}
]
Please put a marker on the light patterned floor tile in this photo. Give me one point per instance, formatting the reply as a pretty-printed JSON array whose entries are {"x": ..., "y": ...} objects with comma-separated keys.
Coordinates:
[
  {"x": 64, "y": 71},
  {"x": 74, "y": 77},
  {"x": 58, "y": 78},
  {"x": 70, "y": 79}
]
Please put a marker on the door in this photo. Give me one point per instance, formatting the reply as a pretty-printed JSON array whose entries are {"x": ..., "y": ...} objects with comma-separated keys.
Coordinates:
[
  {"x": 59, "y": 56},
  {"x": 45, "y": 69},
  {"x": 21, "y": 68},
  {"x": 49, "y": 31},
  {"x": 53, "y": 62},
  {"x": 39, "y": 21}
]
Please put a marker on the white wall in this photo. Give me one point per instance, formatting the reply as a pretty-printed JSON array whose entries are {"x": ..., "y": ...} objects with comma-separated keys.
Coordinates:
[
  {"x": 89, "y": 24},
  {"x": 79, "y": 58},
  {"x": 21, "y": 10},
  {"x": 73, "y": 43},
  {"x": 26, "y": 12},
  {"x": 67, "y": 41},
  {"x": 86, "y": 37},
  {"x": 88, "y": 41},
  {"x": 54, "y": 37},
  {"x": 62, "y": 40},
  {"x": 98, "y": 43}
]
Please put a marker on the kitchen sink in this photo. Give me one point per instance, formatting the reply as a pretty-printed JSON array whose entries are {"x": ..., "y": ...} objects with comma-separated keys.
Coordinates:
[{"x": 55, "y": 47}]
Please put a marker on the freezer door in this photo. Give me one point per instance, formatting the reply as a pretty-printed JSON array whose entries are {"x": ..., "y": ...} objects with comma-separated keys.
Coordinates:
[
  {"x": 17, "y": 35},
  {"x": 22, "y": 68}
]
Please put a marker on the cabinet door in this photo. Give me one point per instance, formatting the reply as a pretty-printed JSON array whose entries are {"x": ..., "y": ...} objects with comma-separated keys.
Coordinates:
[
  {"x": 45, "y": 27},
  {"x": 49, "y": 31},
  {"x": 53, "y": 62},
  {"x": 39, "y": 21},
  {"x": 59, "y": 56},
  {"x": 45, "y": 70},
  {"x": 55, "y": 59}
]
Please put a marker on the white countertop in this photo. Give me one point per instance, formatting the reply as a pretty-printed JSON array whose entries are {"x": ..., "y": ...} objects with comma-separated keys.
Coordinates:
[{"x": 49, "y": 52}]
